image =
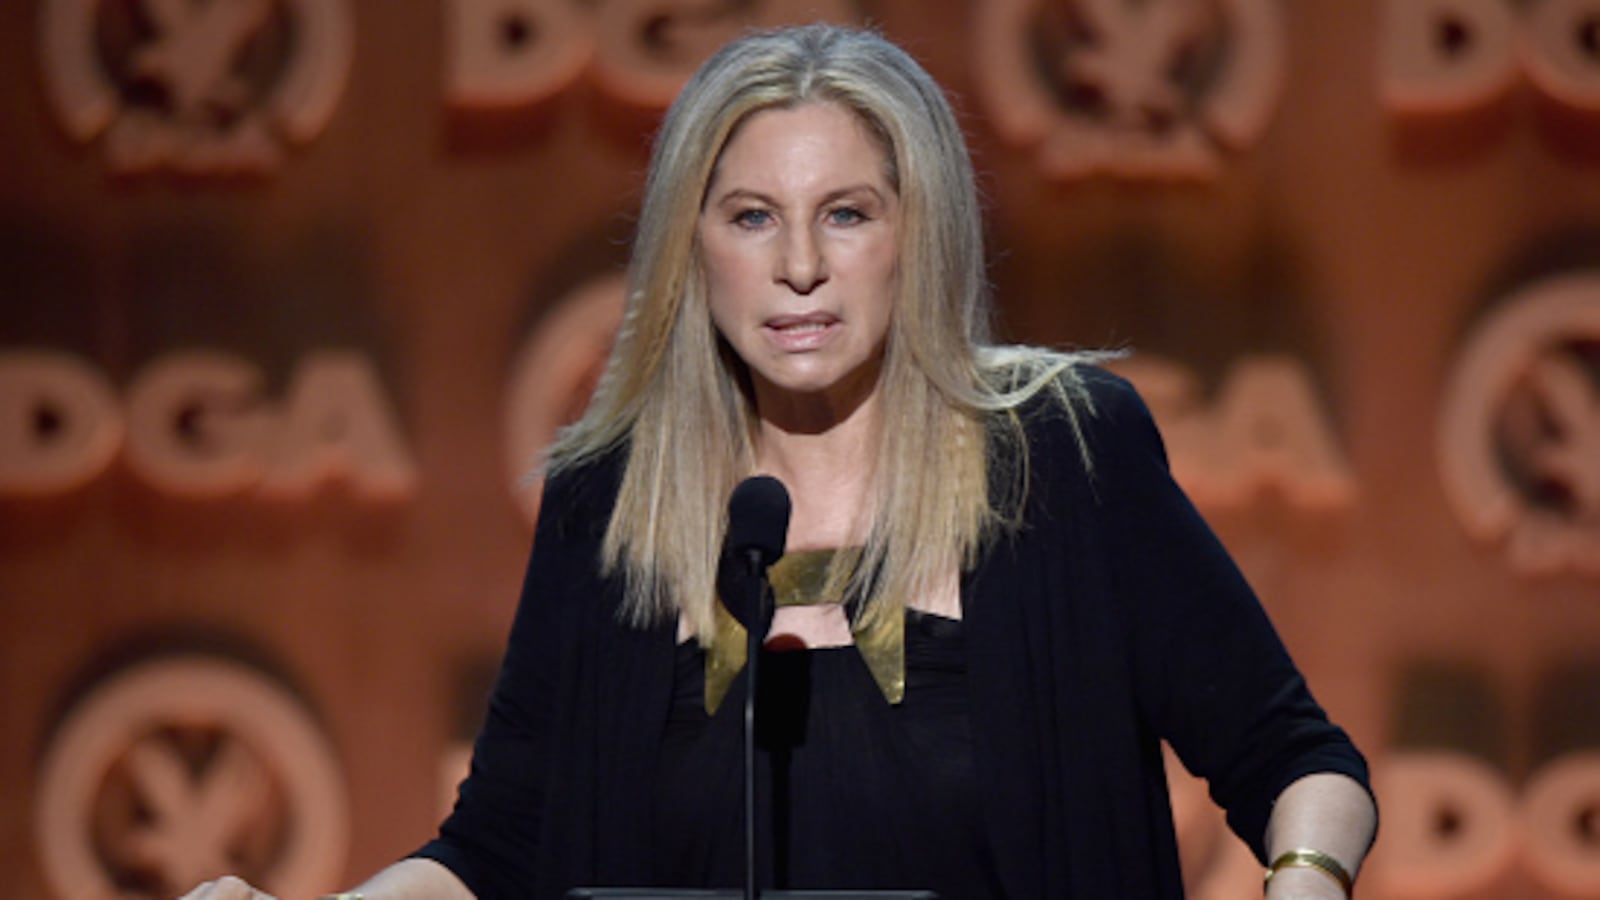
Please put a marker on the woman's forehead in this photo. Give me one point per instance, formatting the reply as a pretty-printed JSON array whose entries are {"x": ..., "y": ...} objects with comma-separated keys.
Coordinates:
[{"x": 827, "y": 125}]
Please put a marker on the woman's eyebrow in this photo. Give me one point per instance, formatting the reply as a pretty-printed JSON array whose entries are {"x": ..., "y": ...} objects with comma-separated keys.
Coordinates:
[{"x": 741, "y": 193}]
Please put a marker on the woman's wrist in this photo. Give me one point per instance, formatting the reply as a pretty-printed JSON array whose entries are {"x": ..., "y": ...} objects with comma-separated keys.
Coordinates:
[
  {"x": 1302, "y": 884},
  {"x": 1323, "y": 866}
]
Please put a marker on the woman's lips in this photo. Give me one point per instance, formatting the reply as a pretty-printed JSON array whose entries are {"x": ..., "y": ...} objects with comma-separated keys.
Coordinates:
[{"x": 797, "y": 334}]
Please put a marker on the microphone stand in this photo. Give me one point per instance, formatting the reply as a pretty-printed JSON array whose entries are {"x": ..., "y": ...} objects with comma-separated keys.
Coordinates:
[{"x": 753, "y": 643}]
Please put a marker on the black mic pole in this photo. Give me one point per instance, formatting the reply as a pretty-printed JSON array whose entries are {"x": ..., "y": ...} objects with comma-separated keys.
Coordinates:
[
  {"x": 753, "y": 638},
  {"x": 758, "y": 527}
]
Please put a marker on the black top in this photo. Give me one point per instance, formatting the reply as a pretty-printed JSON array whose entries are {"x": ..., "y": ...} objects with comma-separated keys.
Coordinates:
[
  {"x": 1109, "y": 620},
  {"x": 852, "y": 792}
]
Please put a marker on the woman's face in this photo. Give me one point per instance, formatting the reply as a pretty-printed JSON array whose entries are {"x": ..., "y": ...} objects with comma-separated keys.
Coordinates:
[{"x": 799, "y": 240}]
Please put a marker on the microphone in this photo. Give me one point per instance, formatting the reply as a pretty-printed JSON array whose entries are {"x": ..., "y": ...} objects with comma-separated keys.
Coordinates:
[
  {"x": 758, "y": 519},
  {"x": 758, "y": 527}
]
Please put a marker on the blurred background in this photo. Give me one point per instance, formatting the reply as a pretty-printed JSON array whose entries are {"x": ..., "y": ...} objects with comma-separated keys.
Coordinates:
[{"x": 291, "y": 292}]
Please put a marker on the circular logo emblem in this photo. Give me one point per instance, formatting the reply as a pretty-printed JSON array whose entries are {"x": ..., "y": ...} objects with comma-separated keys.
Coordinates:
[
  {"x": 200, "y": 88},
  {"x": 1519, "y": 438},
  {"x": 182, "y": 769},
  {"x": 1144, "y": 91}
]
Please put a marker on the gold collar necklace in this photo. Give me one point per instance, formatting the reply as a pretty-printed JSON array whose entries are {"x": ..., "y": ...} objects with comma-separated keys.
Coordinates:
[{"x": 798, "y": 579}]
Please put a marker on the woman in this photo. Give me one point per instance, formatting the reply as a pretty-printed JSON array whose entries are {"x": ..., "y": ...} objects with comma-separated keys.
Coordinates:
[{"x": 1002, "y": 601}]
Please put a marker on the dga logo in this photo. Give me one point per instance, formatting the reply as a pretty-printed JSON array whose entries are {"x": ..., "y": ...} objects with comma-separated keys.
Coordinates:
[
  {"x": 1132, "y": 88},
  {"x": 184, "y": 769},
  {"x": 1452, "y": 56},
  {"x": 195, "y": 86},
  {"x": 1519, "y": 440}
]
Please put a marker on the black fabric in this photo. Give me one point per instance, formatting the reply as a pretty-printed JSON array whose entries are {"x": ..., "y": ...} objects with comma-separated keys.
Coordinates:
[
  {"x": 852, "y": 792},
  {"x": 1109, "y": 620}
]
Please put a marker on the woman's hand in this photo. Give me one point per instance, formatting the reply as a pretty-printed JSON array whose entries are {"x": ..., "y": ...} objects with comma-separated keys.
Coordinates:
[
  {"x": 228, "y": 887},
  {"x": 408, "y": 879}
]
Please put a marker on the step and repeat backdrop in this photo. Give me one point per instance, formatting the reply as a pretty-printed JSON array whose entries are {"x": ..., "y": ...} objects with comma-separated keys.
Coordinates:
[{"x": 293, "y": 291}]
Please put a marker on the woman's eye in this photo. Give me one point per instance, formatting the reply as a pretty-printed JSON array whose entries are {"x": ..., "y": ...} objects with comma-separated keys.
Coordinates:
[
  {"x": 845, "y": 215},
  {"x": 752, "y": 218}
]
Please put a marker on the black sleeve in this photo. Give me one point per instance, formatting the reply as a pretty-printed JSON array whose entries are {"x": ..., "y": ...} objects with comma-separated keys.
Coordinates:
[
  {"x": 490, "y": 838},
  {"x": 1211, "y": 675}
]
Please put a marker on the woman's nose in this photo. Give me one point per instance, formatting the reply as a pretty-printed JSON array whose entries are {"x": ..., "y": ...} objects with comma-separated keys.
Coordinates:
[{"x": 802, "y": 264}]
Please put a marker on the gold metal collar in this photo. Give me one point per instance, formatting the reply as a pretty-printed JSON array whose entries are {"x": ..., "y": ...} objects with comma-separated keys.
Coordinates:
[{"x": 798, "y": 579}]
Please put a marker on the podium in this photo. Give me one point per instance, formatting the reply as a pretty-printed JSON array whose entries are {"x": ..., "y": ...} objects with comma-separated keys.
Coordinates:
[{"x": 738, "y": 894}]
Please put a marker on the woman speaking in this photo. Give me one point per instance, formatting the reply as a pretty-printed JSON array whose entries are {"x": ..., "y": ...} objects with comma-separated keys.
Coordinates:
[{"x": 994, "y": 603}]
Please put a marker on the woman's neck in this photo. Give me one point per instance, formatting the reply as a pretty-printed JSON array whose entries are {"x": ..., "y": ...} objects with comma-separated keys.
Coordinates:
[{"x": 827, "y": 467}]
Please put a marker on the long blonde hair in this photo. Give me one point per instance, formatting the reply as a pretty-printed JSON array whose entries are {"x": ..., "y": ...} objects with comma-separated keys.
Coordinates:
[{"x": 676, "y": 402}]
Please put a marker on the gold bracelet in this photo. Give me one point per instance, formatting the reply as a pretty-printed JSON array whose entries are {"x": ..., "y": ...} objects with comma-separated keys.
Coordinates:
[{"x": 1303, "y": 858}]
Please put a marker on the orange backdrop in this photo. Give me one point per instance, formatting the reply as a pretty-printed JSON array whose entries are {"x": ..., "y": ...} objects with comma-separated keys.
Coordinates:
[{"x": 1335, "y": 285}]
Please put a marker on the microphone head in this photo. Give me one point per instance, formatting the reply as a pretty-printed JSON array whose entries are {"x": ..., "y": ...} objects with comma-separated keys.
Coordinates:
[{"x": 758, "y": 518}]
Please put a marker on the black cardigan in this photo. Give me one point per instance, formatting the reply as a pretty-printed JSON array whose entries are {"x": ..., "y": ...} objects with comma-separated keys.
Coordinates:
[{"x": 1110, "y": 620}]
